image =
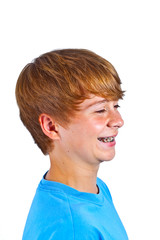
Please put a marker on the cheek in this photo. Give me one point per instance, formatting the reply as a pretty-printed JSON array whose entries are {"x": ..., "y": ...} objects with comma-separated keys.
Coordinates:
[
  {"x": 93, "y": 126},
  {"x": 98, "y": 123}
]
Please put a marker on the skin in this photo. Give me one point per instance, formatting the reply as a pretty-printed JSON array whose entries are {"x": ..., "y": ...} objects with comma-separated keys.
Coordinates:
[{"x": 77, "y": 151}]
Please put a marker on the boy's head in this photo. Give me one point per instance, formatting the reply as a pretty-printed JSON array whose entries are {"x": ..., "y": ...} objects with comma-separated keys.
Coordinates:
[{"x": 57, "y": 82}]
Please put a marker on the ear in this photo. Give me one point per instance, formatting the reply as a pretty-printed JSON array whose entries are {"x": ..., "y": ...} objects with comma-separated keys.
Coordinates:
[{"x": 49, "y": 127}]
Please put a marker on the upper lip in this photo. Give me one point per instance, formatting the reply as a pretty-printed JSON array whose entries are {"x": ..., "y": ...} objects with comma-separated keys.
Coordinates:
[{"x": 114, "y": 135}]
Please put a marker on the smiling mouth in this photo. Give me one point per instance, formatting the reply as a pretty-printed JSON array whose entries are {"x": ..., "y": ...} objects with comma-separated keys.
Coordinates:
[{"x": 106, "y": 139}]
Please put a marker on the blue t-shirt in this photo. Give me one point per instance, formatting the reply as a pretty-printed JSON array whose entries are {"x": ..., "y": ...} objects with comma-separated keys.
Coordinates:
[{"x": 59, "y": 212}]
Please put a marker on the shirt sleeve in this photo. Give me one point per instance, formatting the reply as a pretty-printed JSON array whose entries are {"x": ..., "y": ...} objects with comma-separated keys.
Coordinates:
[{"x": 60, "y": 230}]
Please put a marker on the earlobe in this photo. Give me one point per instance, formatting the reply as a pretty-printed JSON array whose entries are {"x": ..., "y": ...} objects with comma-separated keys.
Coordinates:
[{"x": 49, "y": 127}]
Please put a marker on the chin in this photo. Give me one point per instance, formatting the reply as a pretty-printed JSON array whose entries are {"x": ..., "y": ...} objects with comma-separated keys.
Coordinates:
[{"x": 108, "y": 157}]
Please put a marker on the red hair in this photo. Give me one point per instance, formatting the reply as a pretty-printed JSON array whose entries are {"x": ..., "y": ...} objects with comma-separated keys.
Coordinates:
[{"x": 56, "y": 82}]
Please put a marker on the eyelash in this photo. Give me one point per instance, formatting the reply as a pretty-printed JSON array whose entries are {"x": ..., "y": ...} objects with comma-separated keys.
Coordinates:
[
  {"x": 104, "y": 110},
  {"x": 116, "y": 106}
]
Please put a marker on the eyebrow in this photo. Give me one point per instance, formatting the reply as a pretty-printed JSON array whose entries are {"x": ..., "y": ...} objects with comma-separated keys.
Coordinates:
[{"x": 96, "y": 103}]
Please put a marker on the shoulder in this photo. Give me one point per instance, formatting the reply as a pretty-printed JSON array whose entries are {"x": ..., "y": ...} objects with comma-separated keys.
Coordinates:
[
  {"x": 49, "y": 217},
  {"x": 59, "y": 230}
]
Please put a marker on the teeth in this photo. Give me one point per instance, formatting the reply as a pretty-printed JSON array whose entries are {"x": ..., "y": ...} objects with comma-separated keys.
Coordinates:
[{"x": 107, "y": 139}]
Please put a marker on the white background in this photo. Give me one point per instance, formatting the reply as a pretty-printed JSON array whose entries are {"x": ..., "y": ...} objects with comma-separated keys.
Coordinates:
[{"x": 125, "y": 32}]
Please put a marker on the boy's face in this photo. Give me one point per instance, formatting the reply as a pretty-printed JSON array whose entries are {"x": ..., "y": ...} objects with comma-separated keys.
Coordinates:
[{"x": 90, "y": 136}]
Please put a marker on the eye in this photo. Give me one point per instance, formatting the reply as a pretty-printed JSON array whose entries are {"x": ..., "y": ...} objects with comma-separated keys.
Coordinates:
[
  {"x": 101, "y": 111},
  {"x": 116, "y": 106}
]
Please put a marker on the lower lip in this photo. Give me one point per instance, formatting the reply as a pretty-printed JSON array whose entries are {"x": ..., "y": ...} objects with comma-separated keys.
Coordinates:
[{"x": 108, "y": 144}]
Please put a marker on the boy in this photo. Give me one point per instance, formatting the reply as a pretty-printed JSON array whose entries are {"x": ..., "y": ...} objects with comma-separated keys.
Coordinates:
[{"x": 68, "y": 100}]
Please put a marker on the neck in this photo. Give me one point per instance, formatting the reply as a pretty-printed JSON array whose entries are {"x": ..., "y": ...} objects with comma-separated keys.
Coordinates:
[{"x": 81, "y": 176}]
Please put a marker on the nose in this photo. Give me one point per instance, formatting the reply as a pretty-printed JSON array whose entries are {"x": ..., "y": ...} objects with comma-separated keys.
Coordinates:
[{"x": 115, "y": 120}]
